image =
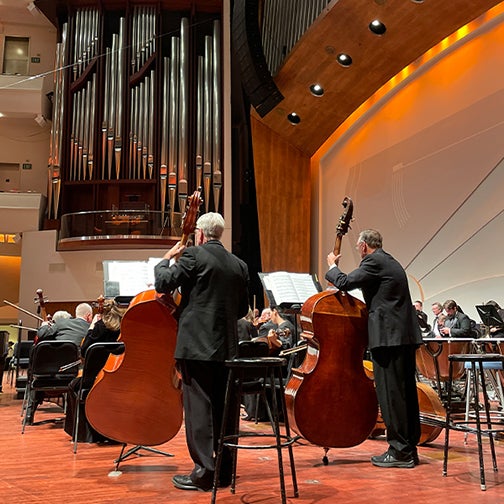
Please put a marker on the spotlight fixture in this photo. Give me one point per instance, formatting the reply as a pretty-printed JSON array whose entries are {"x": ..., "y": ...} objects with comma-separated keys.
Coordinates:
[
  {"x": 344, "y": 59},
  {"x": 293, "y": 118},
  {"x": 417, "y": 1},
  {"x": 377, "y": 27},
  {"x": 316, "y": 90}
]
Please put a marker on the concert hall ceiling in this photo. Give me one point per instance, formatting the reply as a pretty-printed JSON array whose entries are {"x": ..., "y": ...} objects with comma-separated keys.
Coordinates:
[{"x": 412, "y": 28}]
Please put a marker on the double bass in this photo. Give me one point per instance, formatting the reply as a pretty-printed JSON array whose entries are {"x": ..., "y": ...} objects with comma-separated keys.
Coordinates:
[
  {"x": 330, "y": 401},
  {"x": 136, "y": 398}
]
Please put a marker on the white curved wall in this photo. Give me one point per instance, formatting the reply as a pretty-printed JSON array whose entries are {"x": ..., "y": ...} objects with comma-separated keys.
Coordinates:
[{"x": 425, "y": 166}]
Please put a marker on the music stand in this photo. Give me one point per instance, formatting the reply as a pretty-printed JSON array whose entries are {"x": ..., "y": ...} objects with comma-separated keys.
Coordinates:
[{"x": 489, "y": 316}]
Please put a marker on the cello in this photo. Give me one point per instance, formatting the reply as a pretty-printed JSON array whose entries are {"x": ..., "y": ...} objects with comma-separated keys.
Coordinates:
[
  {"x": 136, "y": 398},
  {"x": 329, "y": 399}
]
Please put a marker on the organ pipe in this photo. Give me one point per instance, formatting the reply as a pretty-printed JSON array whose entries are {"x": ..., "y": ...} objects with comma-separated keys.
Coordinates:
[{"x": 134, "y": 110}]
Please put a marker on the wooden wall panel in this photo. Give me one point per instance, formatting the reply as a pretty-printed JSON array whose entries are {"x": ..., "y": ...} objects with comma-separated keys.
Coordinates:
[{"x": 282, "y": 174}]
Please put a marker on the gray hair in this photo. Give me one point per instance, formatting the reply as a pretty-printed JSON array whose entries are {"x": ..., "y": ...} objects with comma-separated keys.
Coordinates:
[
  {"x": 83, "y": 310},
  {"x": 212, "y": 224},
  {"x": 60, "y": 315},
  {"x": 371, "y": 238}
]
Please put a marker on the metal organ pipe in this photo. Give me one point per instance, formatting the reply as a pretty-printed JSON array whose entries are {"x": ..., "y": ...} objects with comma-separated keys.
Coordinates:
[
  {"x": 173, "y": 144},
  {"x": 183, "y": 114},
  {"x": 216, "y": 78},
  {"x": 199, "y": 121},
  {"x": 207, "y": 121}
]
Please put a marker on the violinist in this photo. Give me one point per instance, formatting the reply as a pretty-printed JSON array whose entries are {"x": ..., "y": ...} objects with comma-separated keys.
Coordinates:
[
  {"x": 393, "y": 337},
  {"x": 280, "y": 338},
  {"x": 64, "y": 327},
  {"x": 214, "y": 290},
  {"x": 105, "y": 327},
  {"x": 246, "y": 328}
]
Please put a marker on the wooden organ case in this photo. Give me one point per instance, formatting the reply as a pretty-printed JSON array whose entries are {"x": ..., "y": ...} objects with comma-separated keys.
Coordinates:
[{"x": 137, "y": 123}]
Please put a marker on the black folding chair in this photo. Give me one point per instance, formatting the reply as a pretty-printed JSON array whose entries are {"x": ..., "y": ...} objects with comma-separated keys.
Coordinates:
[
  {"x": 45, "y": 374},
  {"x": 95, "y": 359}
]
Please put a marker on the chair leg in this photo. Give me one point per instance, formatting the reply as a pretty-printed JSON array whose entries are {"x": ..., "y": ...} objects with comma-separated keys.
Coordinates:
[
  {"x": 447, "y": 421},
  {"x": 76, "y": 424},
  {"x": 468, "y": 401},
  {"x": 277, "y": 436},
  {"x": 220, "y": 447},
  {"x": 478, "y": 422},
  {"x": 489, "y": 418}
]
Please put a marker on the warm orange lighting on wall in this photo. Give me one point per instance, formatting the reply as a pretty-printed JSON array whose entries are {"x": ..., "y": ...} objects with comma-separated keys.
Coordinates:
[
  {"x": 400, "y": 77},
  {"x": 9, "y": 238}
]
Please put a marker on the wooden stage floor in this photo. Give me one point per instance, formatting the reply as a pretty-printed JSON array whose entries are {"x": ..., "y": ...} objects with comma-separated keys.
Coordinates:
[{"x": 39, "y": 466}]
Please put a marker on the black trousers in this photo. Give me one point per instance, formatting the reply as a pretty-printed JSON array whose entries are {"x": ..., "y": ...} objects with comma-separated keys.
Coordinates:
[
  {"x": 204, "y": 388},
  {"x": 394, "y": 373}
]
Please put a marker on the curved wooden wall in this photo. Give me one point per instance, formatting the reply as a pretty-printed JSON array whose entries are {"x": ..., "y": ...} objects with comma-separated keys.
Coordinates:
[{"x": 282, "y": 175}]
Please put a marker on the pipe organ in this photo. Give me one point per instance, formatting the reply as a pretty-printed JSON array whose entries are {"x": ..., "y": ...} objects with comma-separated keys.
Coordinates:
[{"x": 136, "y": 109}]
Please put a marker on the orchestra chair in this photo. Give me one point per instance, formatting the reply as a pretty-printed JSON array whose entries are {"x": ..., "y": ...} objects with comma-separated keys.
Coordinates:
[
  {"x": 44, "y": 372},
  {"x": 240, "y": 371},
  {"x": 480, "y": 426},
  {"x": 96, "y": 357},
  {"x": 20, "y": 360}
]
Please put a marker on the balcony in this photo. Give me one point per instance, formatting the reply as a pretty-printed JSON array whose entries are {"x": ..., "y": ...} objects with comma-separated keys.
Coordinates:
[{"x": 116, "y": 229}]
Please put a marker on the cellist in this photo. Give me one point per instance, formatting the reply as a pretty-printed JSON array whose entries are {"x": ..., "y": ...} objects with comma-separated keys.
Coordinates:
[
  {"x": 394, "y": 335},
  {"x": 214, "y": 295}
]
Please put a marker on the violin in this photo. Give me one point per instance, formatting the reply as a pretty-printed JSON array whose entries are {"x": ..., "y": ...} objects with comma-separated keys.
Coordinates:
[
  {"x": 273, "y": 339},
  {"x": 40, "y": 300}
]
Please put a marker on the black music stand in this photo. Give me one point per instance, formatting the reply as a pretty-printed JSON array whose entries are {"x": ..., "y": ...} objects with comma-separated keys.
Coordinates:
[{"x": 489, "y": 316}]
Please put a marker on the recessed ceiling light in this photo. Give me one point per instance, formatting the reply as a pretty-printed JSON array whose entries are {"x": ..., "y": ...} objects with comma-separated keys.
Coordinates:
[
  {"x": 344, "y": 59},
  {"x": 2, "y": 115},
  {"x": 377, "y": 27},
  {"x": 293, "y": 118},
  {"x": 316, "y": 90},
  {"x": 417, "y": 1}
]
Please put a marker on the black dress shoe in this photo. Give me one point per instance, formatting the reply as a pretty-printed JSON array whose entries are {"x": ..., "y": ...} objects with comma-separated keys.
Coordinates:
[
  {"x": 184, "y": 482},
  {"x": 388, "y": 460}
]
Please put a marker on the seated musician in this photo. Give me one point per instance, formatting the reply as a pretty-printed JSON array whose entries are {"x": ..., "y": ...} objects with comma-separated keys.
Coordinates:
[
  {"x": 437, "y": 310},
  {"x": 246, "y": 328},
  {"x": 264, "y": 323},
  {"x": 422, "y": 318},
  {"x": 457, "y": 324},
  {"x": 61, "y": 327},
  {"x": 496, "y": 331},
  {"x": 105, "y": 327},
  {"x": 441, "y": 319},
  {"x": 281, "y": 337},
  {"x": 64, "y": 327}
]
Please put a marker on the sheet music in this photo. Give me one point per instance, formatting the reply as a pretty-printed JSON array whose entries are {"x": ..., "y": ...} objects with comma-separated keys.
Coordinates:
[
  {"x": 290, "y": 288},
  {"x": 129, "y": 277}
]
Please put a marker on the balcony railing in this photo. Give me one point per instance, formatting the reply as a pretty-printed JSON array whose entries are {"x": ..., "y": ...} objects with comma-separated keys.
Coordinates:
[{"x": 112, "y": 229}]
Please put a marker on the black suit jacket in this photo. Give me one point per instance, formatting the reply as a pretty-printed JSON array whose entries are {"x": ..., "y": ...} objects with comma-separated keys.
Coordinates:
[
  {"x": 392, "y": 318},
  {"x": 214, "y": 288}
]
